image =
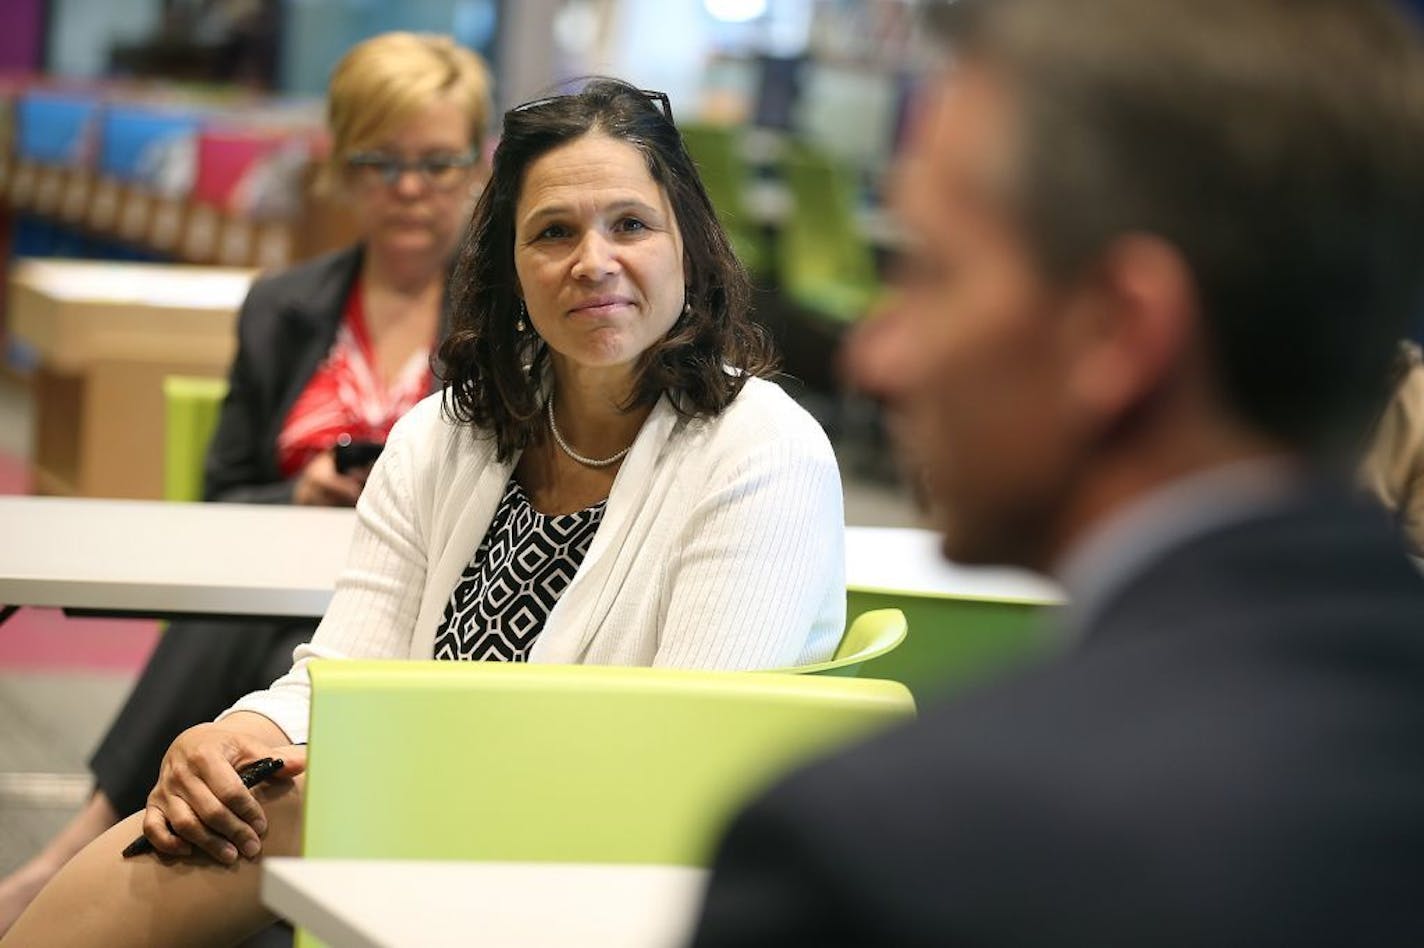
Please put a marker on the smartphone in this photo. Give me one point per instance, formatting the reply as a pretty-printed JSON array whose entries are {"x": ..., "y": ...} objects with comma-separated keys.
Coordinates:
[
  {"x": 251, "y": 775},
  {"x": 352, "y": 455}
]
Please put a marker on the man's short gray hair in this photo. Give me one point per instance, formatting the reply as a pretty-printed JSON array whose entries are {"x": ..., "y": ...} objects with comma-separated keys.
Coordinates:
[{"x": 1278, "y": 144}]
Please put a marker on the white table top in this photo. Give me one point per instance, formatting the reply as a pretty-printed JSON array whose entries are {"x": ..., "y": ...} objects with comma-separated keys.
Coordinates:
[
  {"x": 387, "y": 904},
  {"x": 155, "y": 558},
  {"x": 80, "y": 313},
  {"x": 900, "y": 559},
  {"x": 221, "y": 289}
]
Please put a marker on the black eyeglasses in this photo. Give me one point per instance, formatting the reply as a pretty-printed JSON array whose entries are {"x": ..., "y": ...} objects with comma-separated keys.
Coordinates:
[
  {"x": 439, "y": 171},
  {"x": 659, "y": 99}
]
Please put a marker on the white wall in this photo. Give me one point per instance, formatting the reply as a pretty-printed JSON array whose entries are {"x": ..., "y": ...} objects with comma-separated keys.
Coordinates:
[
  {"x": 663, "y": 45},
  {"x": 319, "y": 32},
  {"x": 82, "y": 31}
]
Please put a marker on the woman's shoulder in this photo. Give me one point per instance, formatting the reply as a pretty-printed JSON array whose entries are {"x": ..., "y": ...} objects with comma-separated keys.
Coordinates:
[
  {"x": 428, "y": 422},
  {"x": 428, "y": 433},
  {"x": 323, "y": 275},
  {"x": 763, "y": 412},
  {"x": 763, "y": 403}
]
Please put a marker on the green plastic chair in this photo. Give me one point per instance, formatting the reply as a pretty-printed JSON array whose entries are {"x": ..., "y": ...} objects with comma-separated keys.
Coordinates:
[
  {"x": 502, "y": 761},
  {"x": 566, "y": 763},
  {"x": 870, "y": 636},
  {"x": 724, "y": 173},
  {"x": 191, "y": 408},
  {"x": 956, "y": 642},
  {"x": 824, "y": 264}
]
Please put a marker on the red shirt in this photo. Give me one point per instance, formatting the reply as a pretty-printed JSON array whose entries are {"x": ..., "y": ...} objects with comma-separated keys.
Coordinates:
[{"x": 346, "y": 396}]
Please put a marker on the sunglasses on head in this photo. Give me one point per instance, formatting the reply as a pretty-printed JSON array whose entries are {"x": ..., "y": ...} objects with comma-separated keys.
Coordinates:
[{"x": 659, "y": 99}]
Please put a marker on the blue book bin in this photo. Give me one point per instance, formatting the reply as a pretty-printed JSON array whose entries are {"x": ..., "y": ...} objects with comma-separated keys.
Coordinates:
[
  {"x": 130, "y": 137},
  {"x": 54, "y": 129}
]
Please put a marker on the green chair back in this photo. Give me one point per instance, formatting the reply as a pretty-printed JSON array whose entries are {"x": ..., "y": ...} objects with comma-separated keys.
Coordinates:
[
  {"x": 715, "y": 150},
  {"x": 870, "y": 636},
  {"x": 824, "y": 262},
  {"x": 955, "y": 642},
  {"x": 499, "y": 761},
  {"x": 191, "y": 407}
]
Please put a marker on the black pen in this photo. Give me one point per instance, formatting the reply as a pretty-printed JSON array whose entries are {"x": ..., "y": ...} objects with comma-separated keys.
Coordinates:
[{"x": 252, "y": 774}]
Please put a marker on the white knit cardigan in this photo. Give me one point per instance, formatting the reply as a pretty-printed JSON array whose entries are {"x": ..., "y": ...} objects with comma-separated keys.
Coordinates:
[{"x": 722, "y": 547}]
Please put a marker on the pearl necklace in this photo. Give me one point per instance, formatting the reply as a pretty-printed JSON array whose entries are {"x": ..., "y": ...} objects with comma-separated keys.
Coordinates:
[{"x": 564, "y": 445}]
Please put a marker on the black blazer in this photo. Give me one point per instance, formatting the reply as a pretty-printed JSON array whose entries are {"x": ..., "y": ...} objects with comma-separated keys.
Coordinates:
[
  {"x": 285, "y": 328},
  {"x": 1234, "y": 756}
]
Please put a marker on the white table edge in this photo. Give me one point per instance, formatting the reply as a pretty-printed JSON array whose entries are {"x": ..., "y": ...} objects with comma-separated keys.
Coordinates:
[
  {"x": 295, "y": 888},
  {"x": 282, "y": 894},
  {"x": 123, "y": 596}
]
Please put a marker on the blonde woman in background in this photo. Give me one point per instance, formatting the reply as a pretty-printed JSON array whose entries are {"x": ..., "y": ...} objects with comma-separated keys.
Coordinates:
[
  {"x": 1394, "y": 467},
  {"x": 333, "y": 350}
]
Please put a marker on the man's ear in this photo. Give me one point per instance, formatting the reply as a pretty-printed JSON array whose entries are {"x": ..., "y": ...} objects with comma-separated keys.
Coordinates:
[{"x": 1139, "y": 311}]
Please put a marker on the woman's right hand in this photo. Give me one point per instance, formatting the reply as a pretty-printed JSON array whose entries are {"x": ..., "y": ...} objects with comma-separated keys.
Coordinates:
[
  {"x": 320, "y": 484},
  {"x": 199, "y": 799}
]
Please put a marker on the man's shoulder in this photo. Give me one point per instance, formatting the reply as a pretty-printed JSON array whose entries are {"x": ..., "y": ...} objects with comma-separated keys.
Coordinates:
[
  {"x": 1230, "y": 724},
  {"x": 1324, "y": 564},
  {"x": 1227, "y": 644},
  {"x": 1168, "y": 775}
]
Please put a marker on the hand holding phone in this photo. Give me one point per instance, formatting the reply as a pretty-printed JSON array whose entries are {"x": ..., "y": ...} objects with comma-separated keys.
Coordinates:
[
  {"x": 352, "y": 454},
  {"x": 320, "y": 484}
]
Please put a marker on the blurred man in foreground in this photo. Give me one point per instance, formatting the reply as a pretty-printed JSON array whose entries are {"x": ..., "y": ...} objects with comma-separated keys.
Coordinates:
[{"x": 1162, "y": 251}]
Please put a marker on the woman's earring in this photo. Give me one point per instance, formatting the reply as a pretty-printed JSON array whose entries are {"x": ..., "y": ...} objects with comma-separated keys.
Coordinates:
[
  {"x": 686, "y": 309},
  {"x": 519, "y": 323}
]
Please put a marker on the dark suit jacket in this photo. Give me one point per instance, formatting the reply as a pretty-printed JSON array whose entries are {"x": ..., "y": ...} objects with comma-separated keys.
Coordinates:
[
  {"x": 1234, "y": 756},
  {"x": 285, "y": 329}
]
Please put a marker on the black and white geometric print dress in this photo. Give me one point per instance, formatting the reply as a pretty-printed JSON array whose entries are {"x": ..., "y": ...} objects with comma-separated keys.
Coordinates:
[{"x": 506, "y": 593}]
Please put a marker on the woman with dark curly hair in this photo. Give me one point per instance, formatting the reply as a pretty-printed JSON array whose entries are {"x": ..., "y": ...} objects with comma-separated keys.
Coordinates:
[{"x": 606, "y": 478}]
